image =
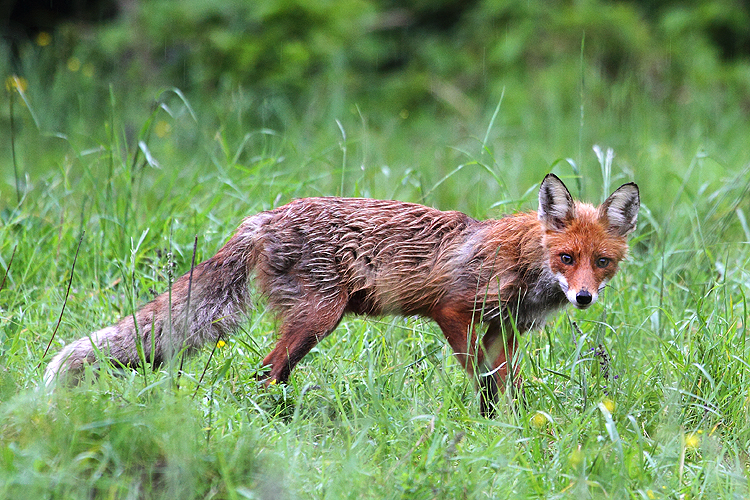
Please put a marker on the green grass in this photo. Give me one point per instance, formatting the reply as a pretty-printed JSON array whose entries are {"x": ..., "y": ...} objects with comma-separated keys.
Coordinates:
[{"x": 380, "y": 409}]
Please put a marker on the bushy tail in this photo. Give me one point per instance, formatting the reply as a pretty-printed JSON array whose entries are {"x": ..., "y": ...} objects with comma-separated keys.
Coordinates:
[{"x": 218, "y": 298}]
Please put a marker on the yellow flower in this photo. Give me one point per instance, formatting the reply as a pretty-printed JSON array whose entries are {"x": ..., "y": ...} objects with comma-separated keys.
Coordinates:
[
  {"x": 88, "y": 70},
  {"x": 74, "y": 64},
  {"x": 539, "y": 420},
  {"x": 220, "y": 344},
  {"x": 43, "y": 39},
  {"x": 16, "y": 82},
  {"x": 692, "y": 441},
  {"x": 609, "y": 405},
  {"x": 162, "y": 129},
  {"x": 576, "y": 457}
]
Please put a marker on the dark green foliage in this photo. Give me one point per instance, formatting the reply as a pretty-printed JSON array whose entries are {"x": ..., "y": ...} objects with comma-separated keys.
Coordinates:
[{"x": 404, "y": 55}]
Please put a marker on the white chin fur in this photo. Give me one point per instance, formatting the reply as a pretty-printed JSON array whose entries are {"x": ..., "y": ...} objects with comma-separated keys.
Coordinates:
[{"x": 571, "y": 294}]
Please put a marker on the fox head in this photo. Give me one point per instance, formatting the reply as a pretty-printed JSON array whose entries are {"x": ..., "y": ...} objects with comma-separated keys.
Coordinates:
[{"x": 584, "y": 244}]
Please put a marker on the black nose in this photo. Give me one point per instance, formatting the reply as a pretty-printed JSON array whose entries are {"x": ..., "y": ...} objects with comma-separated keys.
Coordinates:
[{"x": 583, "y": 297}]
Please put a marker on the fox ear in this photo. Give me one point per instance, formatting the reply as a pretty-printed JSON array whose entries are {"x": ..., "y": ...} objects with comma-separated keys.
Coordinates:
[
  {"x": 620, "y": 210},
  {"x": 556, "y": 206}
]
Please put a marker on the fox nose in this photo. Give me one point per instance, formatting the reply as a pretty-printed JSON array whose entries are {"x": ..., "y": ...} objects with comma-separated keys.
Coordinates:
[{"x": 583, "y": 298}]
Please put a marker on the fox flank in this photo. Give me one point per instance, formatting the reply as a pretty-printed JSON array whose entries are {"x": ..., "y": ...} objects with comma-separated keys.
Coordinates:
[{"x": 316, "y": 259}]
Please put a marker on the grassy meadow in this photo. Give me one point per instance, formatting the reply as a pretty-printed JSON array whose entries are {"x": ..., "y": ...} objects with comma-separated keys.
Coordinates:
[{"x": 102, "y": 202}]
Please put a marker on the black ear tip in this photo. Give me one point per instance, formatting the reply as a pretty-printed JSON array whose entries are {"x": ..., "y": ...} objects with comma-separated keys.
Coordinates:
[
  {"x": 629, "y": 185},
  {"x": 632, "y": 189},
  {"x": 551, "y": 182}
]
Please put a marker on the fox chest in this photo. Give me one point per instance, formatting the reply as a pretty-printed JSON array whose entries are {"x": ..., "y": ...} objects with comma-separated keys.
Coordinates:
[{"x": 527, "y": 306}]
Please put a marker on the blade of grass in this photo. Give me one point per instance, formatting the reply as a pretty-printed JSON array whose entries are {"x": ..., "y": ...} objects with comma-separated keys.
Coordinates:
[
  {"x": 7, "y": 269},
  {"x": 187, "y": 305},
  {"x": 65, "y": 301}
]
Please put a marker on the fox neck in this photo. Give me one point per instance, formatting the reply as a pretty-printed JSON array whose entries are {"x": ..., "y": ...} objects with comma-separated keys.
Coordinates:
[
  {"x": 527, "y": 289},
  {"x": 534, "y": 303}
]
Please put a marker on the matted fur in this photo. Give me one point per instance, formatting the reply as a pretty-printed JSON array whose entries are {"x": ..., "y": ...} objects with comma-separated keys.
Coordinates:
[{"x": 316, "y": 259}]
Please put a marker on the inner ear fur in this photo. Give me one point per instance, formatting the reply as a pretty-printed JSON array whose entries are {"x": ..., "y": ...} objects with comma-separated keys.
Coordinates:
[
  {"x": 556, "y": 205},
  {"x": 620, "y": 210}
]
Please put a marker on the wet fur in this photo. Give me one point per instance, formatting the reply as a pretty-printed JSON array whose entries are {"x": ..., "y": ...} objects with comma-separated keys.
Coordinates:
[{"x": 316, "y": 259}]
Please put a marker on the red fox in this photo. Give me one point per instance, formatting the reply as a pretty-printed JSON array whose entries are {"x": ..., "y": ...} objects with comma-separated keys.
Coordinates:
[{"x": 316, "y": 259}]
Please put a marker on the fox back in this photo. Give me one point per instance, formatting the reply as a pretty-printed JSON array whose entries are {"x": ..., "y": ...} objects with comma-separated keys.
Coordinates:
[{"x": 316, "y": 259}]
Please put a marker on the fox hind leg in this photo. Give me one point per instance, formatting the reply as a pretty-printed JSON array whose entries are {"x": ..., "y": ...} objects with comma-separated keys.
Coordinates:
[{"x": 301, "y": 329}]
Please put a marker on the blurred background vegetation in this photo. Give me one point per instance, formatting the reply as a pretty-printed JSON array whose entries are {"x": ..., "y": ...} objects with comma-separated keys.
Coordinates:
[{"x": 660, "y": 82}]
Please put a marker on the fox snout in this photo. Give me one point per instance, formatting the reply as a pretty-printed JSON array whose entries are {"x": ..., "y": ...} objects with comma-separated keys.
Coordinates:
[{"x": 582, "y": 297}]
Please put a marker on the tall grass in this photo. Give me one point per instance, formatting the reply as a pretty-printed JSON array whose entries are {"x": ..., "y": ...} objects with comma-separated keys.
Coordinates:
[{"x": 643, "y": 396}]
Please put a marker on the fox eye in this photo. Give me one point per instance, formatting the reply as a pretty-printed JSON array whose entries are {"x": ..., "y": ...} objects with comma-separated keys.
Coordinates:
[
  {"x": 566, "y": 259},
  {"x": 602, "y": 262}
]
